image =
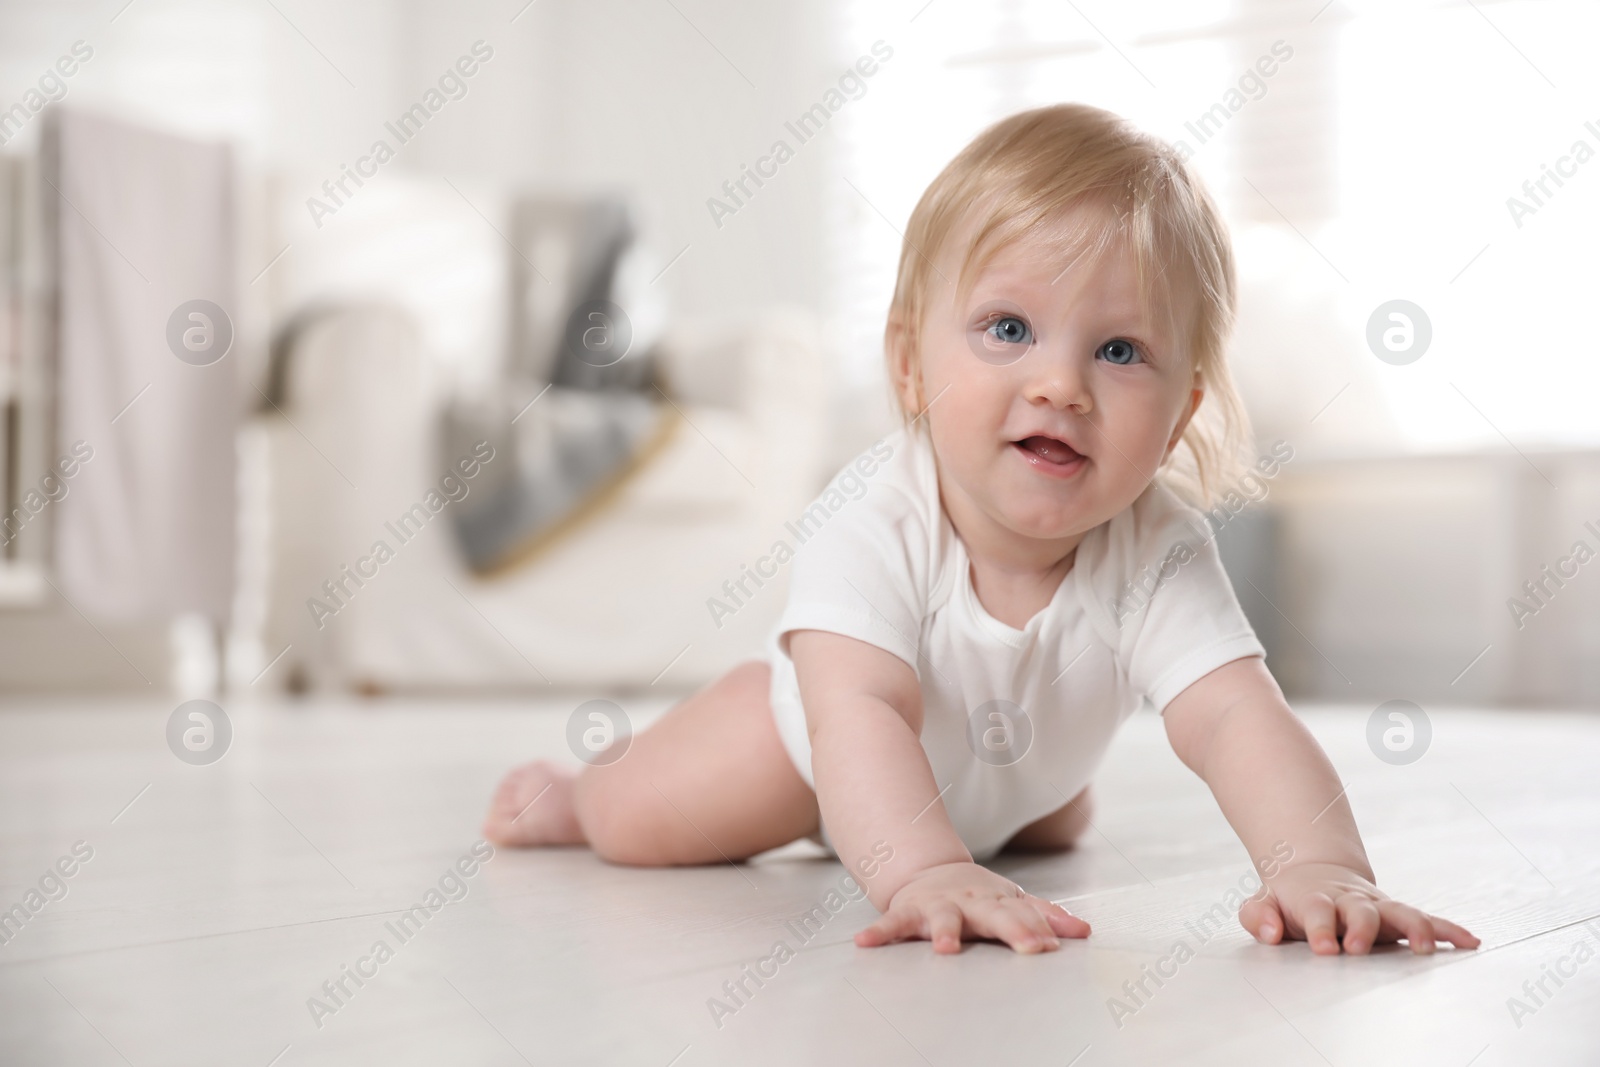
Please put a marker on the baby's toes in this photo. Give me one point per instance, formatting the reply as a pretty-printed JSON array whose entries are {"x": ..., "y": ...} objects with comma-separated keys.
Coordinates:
[
  {"x": 531, "y": 806},
  {"x": 522, "y": 785}
]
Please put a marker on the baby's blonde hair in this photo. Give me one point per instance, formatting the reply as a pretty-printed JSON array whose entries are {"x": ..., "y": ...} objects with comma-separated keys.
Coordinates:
[{"x": 1027, "y": 176}]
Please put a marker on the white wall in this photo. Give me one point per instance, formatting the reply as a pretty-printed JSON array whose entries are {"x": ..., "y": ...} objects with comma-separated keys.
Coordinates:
[{"x": 640, "y": 99}]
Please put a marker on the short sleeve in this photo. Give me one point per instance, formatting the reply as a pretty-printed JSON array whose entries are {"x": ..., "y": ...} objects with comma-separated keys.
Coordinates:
[
  {"x": 862, "y": 565},
  {"x": 1166, "y": 595}
]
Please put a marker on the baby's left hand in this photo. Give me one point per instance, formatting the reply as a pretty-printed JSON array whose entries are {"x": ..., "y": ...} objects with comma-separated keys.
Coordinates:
[{"x": 1316, "y": 902}]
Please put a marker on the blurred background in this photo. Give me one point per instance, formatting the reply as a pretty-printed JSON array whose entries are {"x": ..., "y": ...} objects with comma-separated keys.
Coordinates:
[{"x": 570, "y": 307}]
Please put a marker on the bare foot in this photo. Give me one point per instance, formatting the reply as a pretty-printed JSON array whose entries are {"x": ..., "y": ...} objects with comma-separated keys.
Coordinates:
[{"x": 533, "y": 806}]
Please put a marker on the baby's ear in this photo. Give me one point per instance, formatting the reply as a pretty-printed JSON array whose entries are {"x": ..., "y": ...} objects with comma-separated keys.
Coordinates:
[
  {"x": 1196, "y": 395},
  {"x": 900, "y": 347}
]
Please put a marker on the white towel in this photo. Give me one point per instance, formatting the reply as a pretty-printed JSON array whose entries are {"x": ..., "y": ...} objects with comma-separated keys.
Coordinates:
[{"x": 144, "y": 224}]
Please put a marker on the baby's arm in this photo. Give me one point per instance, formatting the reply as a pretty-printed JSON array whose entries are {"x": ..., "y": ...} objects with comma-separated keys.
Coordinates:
[
  {"x": 1278, "y": 790},
  {"x": 875, "y": 787}
]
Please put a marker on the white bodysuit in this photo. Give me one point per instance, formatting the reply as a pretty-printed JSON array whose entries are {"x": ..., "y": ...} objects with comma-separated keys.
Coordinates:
[{"x": 1014, "y": 721}]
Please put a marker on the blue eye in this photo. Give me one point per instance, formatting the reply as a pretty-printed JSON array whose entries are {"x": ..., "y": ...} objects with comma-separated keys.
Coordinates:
[
  {"x": 1010, "y": 330},
  {"x": 1121, "y": 352}
]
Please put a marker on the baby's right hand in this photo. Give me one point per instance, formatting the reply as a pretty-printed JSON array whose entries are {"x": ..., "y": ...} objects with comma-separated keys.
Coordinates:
[{"x": 956, "y": 901}]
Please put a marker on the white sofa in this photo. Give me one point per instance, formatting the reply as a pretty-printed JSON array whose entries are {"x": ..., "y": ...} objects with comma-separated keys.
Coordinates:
[{"x": 618, "y": 603}]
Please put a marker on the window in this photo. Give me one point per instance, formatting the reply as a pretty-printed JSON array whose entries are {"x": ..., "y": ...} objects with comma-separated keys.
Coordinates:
[{"x": 1376, "y": 163}]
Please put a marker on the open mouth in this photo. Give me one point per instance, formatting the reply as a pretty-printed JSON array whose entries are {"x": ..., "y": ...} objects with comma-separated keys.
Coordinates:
[{"x": 1049, "y": 455}]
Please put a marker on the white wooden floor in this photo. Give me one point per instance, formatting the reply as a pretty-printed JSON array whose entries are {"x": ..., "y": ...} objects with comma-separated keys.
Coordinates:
[{"x": 220, "y": 900}]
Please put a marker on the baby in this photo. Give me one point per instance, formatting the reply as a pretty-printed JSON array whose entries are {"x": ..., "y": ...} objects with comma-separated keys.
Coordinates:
[{"x": 1026, "y": 564}]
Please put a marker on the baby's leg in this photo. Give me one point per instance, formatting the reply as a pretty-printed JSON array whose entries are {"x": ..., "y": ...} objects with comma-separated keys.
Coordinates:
[
  {"x": 1057, "y": 831},
  {"x": 710, "y": 781}
]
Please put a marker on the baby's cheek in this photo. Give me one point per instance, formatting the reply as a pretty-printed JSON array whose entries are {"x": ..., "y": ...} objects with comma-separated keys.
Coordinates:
[
  {"x": 956, "y": 454},
  {"x": 1141, "y": 425}
]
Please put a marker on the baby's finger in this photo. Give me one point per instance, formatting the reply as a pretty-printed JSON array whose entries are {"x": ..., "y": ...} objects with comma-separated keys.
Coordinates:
[
  {"x": 1361, "y": 923},
  {"x": 1005, "y": 921},
  {"x": 1034, "y": 920},
  {"x": 944, "y": 926},
  {"x": 1262, "y": 920},
  {"x": 896, "y": 924},
  {"x": 1458, "y": 936},
  {"x": 1402, "y": 920},
  {"x": 1062, "y": 922},
  {"x": 1320, "y": 922}
]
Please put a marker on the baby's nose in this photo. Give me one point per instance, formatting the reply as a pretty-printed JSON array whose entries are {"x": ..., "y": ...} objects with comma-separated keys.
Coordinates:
[{"x": 1061, "y": 385}]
